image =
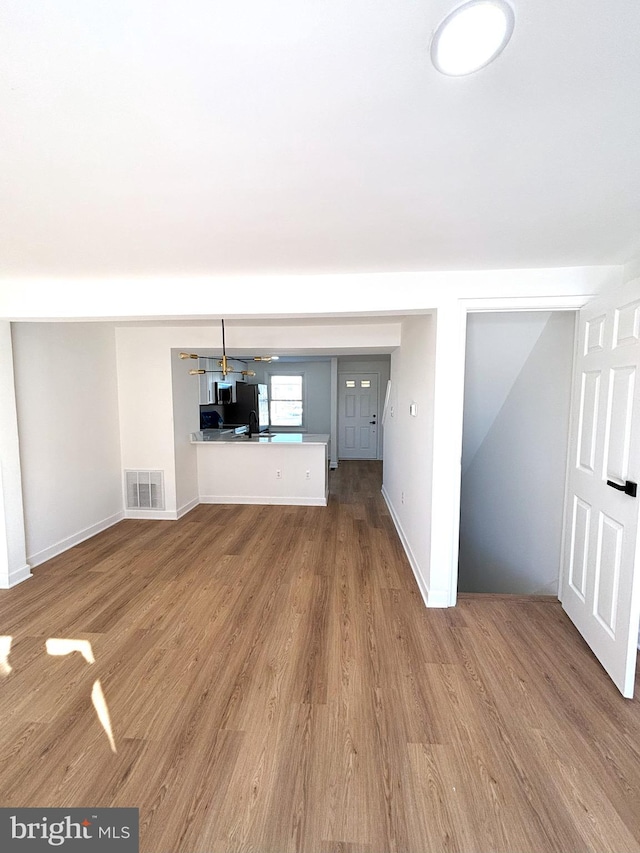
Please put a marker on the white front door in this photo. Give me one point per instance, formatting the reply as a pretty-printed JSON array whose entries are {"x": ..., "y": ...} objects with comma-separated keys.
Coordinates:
[
  {"x": 358, "y": 415},
  {"x": 600, "y": 580}
]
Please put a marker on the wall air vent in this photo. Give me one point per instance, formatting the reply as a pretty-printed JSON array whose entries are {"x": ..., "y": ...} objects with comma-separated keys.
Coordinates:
[{"x": 145, "y": 489}]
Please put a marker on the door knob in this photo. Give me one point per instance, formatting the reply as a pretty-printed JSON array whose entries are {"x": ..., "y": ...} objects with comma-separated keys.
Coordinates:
[{"x": 629, "y": 488}]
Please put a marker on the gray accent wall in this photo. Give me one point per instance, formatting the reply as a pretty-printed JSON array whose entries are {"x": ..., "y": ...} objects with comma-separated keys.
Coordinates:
[{"x": 516, "y": 426}]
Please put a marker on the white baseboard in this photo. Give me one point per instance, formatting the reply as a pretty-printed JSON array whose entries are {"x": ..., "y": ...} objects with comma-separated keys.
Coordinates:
[
  {"x": 439, "y": 598},
  {"x": 267, "y": 501},
  {"x": 151, "y": 514},
  {"x": 183, "y": 510},
  {"x": 75, "y": 539},
  {"x": 16, "y": 576},
  {"x": 431, "y": 598}
]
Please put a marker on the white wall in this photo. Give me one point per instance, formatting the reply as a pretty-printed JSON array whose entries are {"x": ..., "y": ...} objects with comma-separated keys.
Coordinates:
[
  {"x": 146, "y": 387},
  {"x": 408, "y": 443},
  {"x": 145, "y": 394},
  {"x": 150, "y": 436},
  {"x": 516, "y": 423},
  {"x": 66, "y": 393},
  {"x": 186, "y": 419},
  {"x": 371, "y": 364},
  {"x": 13, "y": 555},
  {"x": 213, "y": 296}
]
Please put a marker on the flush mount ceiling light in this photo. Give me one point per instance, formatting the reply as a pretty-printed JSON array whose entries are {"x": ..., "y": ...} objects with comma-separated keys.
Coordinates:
[{"x": 472, "y": 36}]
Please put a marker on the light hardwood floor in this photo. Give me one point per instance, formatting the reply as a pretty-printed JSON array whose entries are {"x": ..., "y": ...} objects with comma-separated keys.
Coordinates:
[{"x": 275, "y": 684}]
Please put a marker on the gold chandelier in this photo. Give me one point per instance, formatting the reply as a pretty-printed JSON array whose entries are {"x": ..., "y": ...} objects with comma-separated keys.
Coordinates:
[{"x": 225, "y": 367}]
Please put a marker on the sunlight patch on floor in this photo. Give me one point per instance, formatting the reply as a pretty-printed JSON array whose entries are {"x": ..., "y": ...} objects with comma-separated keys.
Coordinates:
[
  {"x": 60, "y": 646},
  {"x": 66, "y": 647},
  {"x": 5, "y": 649}
]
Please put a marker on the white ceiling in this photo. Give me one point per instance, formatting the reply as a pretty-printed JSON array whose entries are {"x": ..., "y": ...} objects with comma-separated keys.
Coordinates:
[{"x": 204, "y": 137}]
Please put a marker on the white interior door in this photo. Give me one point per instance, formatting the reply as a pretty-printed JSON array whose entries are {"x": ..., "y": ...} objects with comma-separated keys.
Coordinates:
[
  {"x": 358, "y": 415},
  {"x": 600, "y": 587}
]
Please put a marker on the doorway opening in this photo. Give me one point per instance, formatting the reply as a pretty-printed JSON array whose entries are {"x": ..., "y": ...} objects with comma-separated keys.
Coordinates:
[
  {"x": 517, "y": 396},
  {"x": 360, "y": 392}
]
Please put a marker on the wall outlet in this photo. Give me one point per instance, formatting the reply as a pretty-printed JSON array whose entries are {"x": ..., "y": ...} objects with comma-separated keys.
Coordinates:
[
  {"x": 307, "y": 474},
  {"x": 278, "y": 474},
  {"x": 402, "y": 497}
]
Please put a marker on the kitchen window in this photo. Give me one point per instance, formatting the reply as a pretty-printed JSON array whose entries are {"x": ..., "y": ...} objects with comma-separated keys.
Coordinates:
[{"x": 286, "y": 400}]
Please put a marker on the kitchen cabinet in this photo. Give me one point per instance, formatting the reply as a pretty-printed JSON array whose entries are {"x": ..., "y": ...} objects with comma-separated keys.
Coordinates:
[{"x": 208, "y": 380}]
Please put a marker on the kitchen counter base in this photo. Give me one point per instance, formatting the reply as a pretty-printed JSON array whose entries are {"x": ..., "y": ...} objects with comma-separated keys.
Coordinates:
[
  {"x": 264, "y": 500},
  {"x": 282, "y": 473}
]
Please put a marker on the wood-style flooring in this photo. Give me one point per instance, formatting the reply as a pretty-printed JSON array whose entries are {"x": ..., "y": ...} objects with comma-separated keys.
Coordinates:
[{"x": 275, "y": 684}]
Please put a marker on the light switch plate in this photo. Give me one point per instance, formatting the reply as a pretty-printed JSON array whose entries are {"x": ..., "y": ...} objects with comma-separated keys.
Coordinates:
[{"x": 413, "y": 409}]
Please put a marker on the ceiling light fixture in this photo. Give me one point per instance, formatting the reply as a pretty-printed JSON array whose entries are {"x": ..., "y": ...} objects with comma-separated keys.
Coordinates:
[
  {"x": 472, "y": 36},
  {"x": 225, "y": 367}
]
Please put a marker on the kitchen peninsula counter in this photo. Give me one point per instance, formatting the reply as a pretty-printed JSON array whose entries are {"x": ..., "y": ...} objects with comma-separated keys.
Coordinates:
[
  {"x": 224, "y": 437},
  {"x": 281, "y": 468}
]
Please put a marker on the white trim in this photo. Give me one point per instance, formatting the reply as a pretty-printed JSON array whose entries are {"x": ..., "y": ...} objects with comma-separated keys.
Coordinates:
[
  {"x": 183, "y": 510},
  {"x": 439, "y": 598},
  {"x": 334, "y": 413},
  {"x": 16, "y": 576},
  {"x": 152, "y": 514},
  {"x": 64, "y": 544},
  {"x": 478, "y": 305},
  {"x": 572, "y": 416},
  {"x": 268, "y": 501},
  {"x": 431, "y": 598},
  {"x": 526, "y": 303},
  {"x": 448, "y": 406},
  {"x": 274, "y": 371}
]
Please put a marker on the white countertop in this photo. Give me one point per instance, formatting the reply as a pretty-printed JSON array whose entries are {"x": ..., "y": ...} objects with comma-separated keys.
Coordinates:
[{"x": 288, "y": 438}]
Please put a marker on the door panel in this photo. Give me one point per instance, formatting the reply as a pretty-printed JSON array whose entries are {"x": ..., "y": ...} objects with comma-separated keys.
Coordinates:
[
  {"x": 594, "y": 338},
  {"x": 618, "y": 424},
  {"x": 600, "y": 584},
  {"x": 366, "y": 409},
  {"x": 365, "y": 435},
  {"x": 608, "y": 558},
  {"x": 628, "y": 323},
  {"x": 580, "y": 527},
  {"x": 357, "y": 415},
  {"x": 588, "y": 420},
  {"x": 350, "y": 405}
]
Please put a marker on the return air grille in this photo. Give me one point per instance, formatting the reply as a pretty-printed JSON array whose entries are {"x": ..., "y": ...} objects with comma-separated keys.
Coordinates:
[{"x": 145, "y": 489}]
